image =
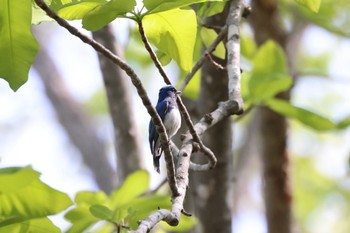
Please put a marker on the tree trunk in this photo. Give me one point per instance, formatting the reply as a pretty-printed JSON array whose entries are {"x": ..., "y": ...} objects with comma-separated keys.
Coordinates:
[
  {"x": 273, "y": 129},
  {"x": 74, "y": 120},
  {"x": 211, "y": 191},
  {"x": 127, "y": 137}
]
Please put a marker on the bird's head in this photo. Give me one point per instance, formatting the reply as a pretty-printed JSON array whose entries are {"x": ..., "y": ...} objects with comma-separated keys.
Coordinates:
[{"x": 168, "y": 91}]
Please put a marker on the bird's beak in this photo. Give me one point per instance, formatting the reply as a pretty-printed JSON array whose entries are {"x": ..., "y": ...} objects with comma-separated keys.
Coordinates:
[{"x": 178, "y": 92}]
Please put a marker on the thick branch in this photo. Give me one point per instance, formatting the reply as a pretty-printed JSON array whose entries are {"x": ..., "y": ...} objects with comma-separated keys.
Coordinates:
[{"x": 233, "y": 52}]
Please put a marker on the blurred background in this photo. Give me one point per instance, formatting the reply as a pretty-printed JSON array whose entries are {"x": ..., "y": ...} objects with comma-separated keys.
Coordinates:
[{"x": 59, "y": 121}]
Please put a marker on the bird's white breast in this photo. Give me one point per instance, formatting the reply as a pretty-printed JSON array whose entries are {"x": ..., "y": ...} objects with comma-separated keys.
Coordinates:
[{"x": 172, "y": 122}]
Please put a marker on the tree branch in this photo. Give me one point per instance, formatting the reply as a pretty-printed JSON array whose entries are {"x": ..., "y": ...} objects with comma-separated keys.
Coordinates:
[
  {"x": 134, "y": 79},
  {"x": 200, "y": 62},
  {"x": 233, "y": 52}
]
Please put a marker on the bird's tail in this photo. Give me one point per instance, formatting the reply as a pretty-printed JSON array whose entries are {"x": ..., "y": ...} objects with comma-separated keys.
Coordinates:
[
  {"x": 156, "y": 163},
  {"x": 156, "y": 157}
]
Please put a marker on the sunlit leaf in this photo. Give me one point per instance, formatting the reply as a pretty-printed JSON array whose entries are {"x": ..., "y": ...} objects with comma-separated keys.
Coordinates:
[
  {"x": 101, "y": 212},
  {"x": 14, "y": 178},
  {"x": 316, "y": 65},
  {"x": 40, "y": 225},
  {"x": 81, "y": 218},
  {"x": 313, "y": 5},
  {"x": 134, "y": 185},
  {"x": 141, "y": 207},
  {"x": 38, "y": 15},
  {"x": 306, "y": 117},
  {"x": 269, "y": 75},
  {"x": 344, "y": 123},
  {"x": 330, "y": 16},
  {"x": 163, "y": 58},
  {"x": 207, "y": 9},
  {"x": 248, "y": 46},
  {"x": 22, "y": 201},
  {"x": 173, "y": 32},
  {"x": 154, "y": 6},
  {"x": 77, "y": 10},
  {"x": 208, "y": 36},
  {"x": 90, "y": 197},
  {"x": 192, "y": 88},
  {"x": 103, "y": 14},
  {"x": 18, "y": 47}
]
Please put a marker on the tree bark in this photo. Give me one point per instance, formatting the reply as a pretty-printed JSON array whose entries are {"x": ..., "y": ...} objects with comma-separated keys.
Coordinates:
[
  {"x": 273, "y": 129},
  {"x": 127, "y": 137},
  {"x": 211, "y": 190},
  {"x": 75, "y": 121}
]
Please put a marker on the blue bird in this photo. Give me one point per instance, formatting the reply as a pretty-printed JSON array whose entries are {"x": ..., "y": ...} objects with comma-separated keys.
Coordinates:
[{"x": 171, "y": 118}]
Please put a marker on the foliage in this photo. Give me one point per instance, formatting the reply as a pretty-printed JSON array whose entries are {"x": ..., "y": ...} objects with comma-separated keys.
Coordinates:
[
  {"x": 17, "y": 44},
  {"x": 312, "y": 192},
  {"x": 122, "y": 209},
  {"x": 26, "y": 201}
]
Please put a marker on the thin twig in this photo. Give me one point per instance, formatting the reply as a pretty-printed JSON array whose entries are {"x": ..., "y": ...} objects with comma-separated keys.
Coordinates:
[
  {"x": 200, "y": 62},
  {"x": 214, "y": 63},
  {"x": 134, "y": 79}
]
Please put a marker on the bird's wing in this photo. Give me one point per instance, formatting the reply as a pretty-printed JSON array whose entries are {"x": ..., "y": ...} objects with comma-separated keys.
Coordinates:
[
  {"x": 152, "y": 136},
  {"x": 162, "y": 108}
]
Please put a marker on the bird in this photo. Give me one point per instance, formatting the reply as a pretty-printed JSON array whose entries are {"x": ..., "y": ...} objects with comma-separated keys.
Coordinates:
[{"x": 170, "y": 115}]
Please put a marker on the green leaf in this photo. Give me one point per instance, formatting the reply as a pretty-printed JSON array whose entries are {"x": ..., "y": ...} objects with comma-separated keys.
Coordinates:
[
  {"x": 174, "y": 33},
  {"x": 330, "y": 16},
  {"x": 344, "y": 123},
  {"x": 154, "y": 6},
  {"x": 18, "y": 47},
  {"x": 306, "y": 117},
  {"x": 141, "y": 207},
  {"x": 313, "y": 5},
  {"x": 208, "y": 36},
  {"x": 192, "y": 89},
  {"x": 14, "y": 178},
  {"x": 90, "y": 197},
  {"x": 81, "y": 218},
  {"x": 269, "y": 75},
  {"x": 134, "y": 185},
  {"x": 248, "y": 46},
  {"x": 106, "y": 13},
  {"x": 163, "y": 58},
  {"x": 314, "y": 65},
  {"x": 101, "y": 212},
  {"x": 208, "y": 9},
  {"x": 38, "y": 15},
  {"x": 40, "y": 225},
  {"x": 30, "y": 200},
  {"x": 77, "y": 10}
]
